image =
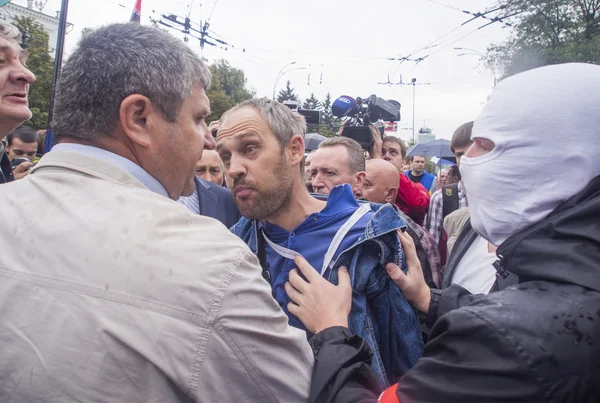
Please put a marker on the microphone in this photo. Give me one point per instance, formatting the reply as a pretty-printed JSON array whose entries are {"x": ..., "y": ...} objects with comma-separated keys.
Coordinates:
[{"x": 343, "y": 106}]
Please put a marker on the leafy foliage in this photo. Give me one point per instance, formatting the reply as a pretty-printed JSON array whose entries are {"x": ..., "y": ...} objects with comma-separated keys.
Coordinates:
[
  {"x": 228, "y": 88},
  {"x": 548, "y": 32}
]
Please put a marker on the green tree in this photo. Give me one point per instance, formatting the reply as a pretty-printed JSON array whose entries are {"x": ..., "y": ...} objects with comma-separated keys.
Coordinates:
[
  {"x": 547, "y": 32},
  {"x": 228, "y": 88},
  {"x": 311, "y": 102},
  {"x": 41, "y": 63},
  {"x": 327, "y": 126},
  {"x": 287, "y": 94},
  {"x": 86, "y": 31}
]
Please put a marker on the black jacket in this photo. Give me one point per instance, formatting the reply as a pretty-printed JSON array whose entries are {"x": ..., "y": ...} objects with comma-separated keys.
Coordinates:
[{"x": 537, "y": 341}]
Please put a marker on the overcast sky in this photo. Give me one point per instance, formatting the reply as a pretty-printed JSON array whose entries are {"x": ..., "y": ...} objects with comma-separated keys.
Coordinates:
[{"x": 347, "y": 42}]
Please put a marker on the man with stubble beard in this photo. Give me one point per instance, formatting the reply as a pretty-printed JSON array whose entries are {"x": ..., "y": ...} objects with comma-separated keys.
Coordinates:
[{"x": 261, "y": 143}]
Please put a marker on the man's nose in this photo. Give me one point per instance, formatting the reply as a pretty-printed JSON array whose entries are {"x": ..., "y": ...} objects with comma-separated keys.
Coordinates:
[
  {"x": 236, "y": 169},
  {"x": 209, "y": 141},
  {"x": 23, "y": 74}
]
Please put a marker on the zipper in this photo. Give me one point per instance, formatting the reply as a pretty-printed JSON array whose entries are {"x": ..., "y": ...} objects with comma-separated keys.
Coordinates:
[{"x": 499, "y": 266}]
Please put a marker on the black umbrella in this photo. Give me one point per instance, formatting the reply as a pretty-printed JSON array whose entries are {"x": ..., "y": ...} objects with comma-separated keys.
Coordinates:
[
  {"x": 312, "y": 141},
  {"x": 437, "y": 148}
]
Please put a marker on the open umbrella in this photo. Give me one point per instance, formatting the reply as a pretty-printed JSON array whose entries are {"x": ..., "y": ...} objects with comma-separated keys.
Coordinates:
[
  {"x": 312, "y": 141},
  {"x": 437, "y": 148}
]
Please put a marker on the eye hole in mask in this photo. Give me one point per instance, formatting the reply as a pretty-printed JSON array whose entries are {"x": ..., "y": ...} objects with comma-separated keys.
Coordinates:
[{"x": 480, "y": 147}]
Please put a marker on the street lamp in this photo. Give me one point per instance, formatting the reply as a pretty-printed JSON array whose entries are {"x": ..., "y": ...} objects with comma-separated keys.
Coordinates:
[
  {"x": 282, "y": 73},
  {"x": 414, "y": 83},
  {"x": 484, "y": 57}
]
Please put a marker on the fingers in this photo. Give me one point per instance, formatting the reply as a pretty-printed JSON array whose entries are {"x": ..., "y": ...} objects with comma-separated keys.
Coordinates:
[
  {"x": 22, "y": 167},
  {"x": 397, "y": 275},
  {"x": 294, "y": 310},
  {"x": 298, "y": 282},
  {"x": 307, "y": 270},
  {"x": 292, "y": 293},
  {"x": 344, "y": 278}
]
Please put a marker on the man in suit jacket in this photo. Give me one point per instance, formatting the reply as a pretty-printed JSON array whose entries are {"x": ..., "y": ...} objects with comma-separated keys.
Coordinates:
[
  {"x": 212, "y": 200},
  {"x": 109, "y": 290}
]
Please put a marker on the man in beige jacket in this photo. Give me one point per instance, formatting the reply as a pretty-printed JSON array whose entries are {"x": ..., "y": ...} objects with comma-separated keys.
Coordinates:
[{"x": 109, "y": 290}]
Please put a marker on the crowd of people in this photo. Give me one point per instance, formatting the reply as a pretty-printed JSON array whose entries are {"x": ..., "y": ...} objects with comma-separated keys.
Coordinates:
[{"x": 150, "y": 257}]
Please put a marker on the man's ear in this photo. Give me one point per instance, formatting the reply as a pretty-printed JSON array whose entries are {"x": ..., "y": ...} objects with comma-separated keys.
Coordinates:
[
  {"x": 360, "y": 181},
  {"x": 136, "y": 115},
  {"x": 295, "y": 149},
  {"x": 391, "y": 194}
]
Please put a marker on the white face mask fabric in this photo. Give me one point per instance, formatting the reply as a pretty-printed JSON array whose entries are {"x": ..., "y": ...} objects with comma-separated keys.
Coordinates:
[{"x": 545, "y": 124}]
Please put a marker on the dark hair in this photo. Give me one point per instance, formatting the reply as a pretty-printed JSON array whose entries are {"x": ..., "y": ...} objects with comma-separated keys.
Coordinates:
[
  {"x": 114, "y": 62},
  {"x": 454, "y": 171},
  {"x": 24, "y": 133},
  {"x": 396, "y": 140},
  {"x": 462, "y": 137}
]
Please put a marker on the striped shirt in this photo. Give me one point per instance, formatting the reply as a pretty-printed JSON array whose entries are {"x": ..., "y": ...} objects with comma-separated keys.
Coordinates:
[{"x": 191, "y": 202}]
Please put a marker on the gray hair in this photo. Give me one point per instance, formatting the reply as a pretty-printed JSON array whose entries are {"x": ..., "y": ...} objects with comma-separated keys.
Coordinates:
[
  {"x": 356, "y": 155},
  {"x": 115, "y": 62},
  {"x": 282, "y": 121},
  {"x": 9, "y": 31}
]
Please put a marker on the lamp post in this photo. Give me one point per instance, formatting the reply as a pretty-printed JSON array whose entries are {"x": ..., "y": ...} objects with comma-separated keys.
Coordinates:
[
  {"x": 414, "y": 84},
  {"x": 279, "y": 75},
  {"x": 484, "y": 57},
  {"x": 60, "y": 42}
]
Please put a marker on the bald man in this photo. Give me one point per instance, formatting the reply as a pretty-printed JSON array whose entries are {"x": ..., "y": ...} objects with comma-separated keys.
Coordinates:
[
  {"x": 381, "y": 182},
  {"x": 381, "y": 186}
]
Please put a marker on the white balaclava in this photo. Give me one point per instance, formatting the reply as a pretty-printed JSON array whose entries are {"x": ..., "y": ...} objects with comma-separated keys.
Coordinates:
[{"x": 545, "y": 124}]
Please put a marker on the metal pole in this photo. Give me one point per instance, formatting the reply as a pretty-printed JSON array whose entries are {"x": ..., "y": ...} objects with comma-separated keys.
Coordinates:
[
  {"x": 278, "y": 77},
  {"x": 414, "y": 83},
  {"x": 60, "y": 42}
]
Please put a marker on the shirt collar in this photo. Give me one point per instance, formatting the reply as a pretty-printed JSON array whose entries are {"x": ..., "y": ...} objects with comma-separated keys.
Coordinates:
[
  {"x": 129, "y": 166},
  {"x": 340, "y": 198}
]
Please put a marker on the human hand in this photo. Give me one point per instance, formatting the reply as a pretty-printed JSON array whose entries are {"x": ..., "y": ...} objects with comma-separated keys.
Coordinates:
[
  {"x": 412, "y": 284},
  {"x": 375, "y": 151},
  {"x": 318, "y": 303},
  {"x": 22, "y": 170}
]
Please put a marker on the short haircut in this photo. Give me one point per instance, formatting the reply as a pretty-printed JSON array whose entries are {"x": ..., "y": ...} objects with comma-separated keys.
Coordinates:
[
  {"x": 356, "y": 155},
  {"x": 454, "y": 171},
  {"x": 282, "y": 121},
  {"x": 117, "y": 61},
  {"x": 24, "y": 133},
  {"x": 462, "y": 137},
  {"x": 396, "y": 140}
]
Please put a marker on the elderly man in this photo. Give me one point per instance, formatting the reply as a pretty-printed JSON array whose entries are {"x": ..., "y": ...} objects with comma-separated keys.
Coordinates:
[
  {"x": 113, "y": 292},
  {"x": 14, "y": 110},
  {"x": 535, "y": 342},
  {"x": 210, "y": 198},
  {"x": 261, "y": 143}
]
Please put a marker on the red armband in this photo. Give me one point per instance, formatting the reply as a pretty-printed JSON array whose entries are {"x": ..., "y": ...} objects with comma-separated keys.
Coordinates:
[{"x": 389, "y": 395}]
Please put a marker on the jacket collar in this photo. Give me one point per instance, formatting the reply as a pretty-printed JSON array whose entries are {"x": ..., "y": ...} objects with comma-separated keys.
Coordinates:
[
  {"x": 564, "y": 247},
  {"x": 85, "y": 164},
  {"x": 206, "y": 197}
]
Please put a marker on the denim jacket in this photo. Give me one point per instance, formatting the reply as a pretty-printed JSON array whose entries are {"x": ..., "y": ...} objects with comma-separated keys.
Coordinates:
[{"x": 380, "y": 313}]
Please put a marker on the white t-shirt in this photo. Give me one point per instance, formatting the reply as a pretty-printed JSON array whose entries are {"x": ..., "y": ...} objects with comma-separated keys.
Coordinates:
[{"x": 475, "y": 272}]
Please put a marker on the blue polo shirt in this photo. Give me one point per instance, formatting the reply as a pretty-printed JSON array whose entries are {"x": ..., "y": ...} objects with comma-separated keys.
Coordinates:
[{"x": 312, "y": 239}]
